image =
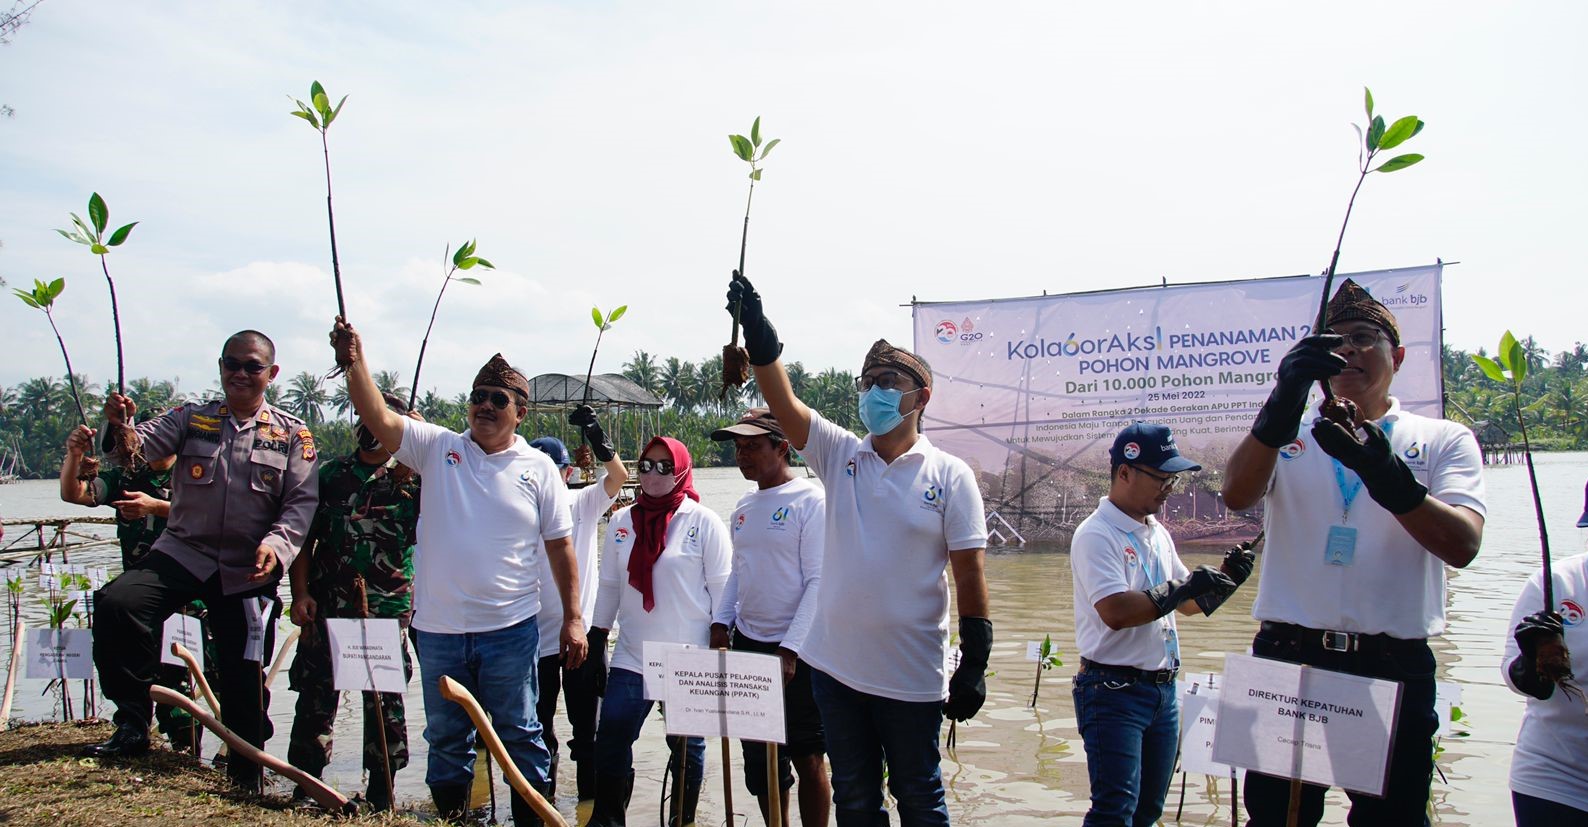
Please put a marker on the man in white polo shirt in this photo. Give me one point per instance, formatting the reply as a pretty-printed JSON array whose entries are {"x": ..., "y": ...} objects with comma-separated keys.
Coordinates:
[
  {"x": 770, "y": 600},
  {"x": 1128, "y": 584},
  {"x": 492, "y": 505},
  {"x": 1356, "y": 583},
  {"x": 900, "y": 513}
]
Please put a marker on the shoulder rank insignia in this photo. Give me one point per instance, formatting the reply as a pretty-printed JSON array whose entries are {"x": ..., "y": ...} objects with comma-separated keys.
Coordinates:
[
  {"x": 307, "y": 438},
  {"x": 264, "y": 417}
]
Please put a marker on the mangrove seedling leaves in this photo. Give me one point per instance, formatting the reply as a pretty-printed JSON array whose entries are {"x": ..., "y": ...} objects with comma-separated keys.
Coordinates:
[
  {"x": 331, "y": 116},
  {"x": 1398, "y": 132},
  {"x": 755, "y": 175},
  {"x": 483, "y": 263},
  {"x": 617, "y": 314},
  {"x": 98, "y": 249},
  {"x": 1399, "y": 162},
  {"x": 1504, "y": 354},
  {"x": 742, "y": 147},
  {"x": 1367, "y": 95},
  {"x": 98, "y": 212},
  {"x": 595, "y": 313},
  {"x": 468, "y": 280},
  {"x": 1489, "y": 367},
  {"x": 120, "y": 235},
  {"x": 1375, "y": 131},
  {"x": 767, "y": 150},
  {"x": 1518, "y": 364},
  {"x": 755, "y": 131},
  {"x": 464, "y": 251}
]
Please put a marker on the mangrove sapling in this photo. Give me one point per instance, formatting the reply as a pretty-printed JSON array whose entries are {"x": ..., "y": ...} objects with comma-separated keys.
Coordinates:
[
  {"x": 463, "y": 259},
  {"x": 120, "y": 438},
  {"x": 1377, "y": 138},
  {"x": 1509, "y": 368},
  {"x": 319, "y": 114},
  {"x": 42, "y": 297},
  {"x": 582, "y": 456},
  {"x": 1047, "y": 658},
  {"x": 735, "y": 360}
]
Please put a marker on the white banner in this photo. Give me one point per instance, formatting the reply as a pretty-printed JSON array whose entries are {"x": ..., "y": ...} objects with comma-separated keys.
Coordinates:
[{"x": 1032, "y": 391}]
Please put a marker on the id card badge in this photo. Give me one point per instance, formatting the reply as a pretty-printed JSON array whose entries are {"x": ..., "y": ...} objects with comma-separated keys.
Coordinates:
[
  {"x": 1340, "y": 548},
  {"x": 1171, "y": 645}
]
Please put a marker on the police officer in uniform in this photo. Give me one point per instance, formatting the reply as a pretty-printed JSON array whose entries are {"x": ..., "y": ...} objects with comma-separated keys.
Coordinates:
[{"x": 243, "y": 493}]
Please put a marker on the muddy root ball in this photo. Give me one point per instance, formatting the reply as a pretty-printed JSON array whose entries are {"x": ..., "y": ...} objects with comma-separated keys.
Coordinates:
[
  {"x": 1553, "y": 661},
  {"x": 127, "y": 446},
  {"x": 584, "y": 457},
  {"x": 735, "y": 368},
  {"x": 1341, "y": 411},
  {"x": 88, "y": 469}
]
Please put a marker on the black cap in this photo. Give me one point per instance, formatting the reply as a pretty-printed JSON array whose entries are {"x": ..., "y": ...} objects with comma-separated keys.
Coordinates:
[
  {"x": 755, "y": 422},
  {"x": 1143, "y": 443}
]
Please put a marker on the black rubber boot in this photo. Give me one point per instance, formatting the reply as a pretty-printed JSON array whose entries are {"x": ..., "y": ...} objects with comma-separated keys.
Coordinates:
[
  {"x": 523, "y": 814},
  {"x": 378, "y": 794},
  {"x": 691, "y": 794},
  {"x": 550, "y": 792},
  {"x": 452, "y": 801},
  {"x": 585, "y": 771},
  {"x": 611, "y": 800}
]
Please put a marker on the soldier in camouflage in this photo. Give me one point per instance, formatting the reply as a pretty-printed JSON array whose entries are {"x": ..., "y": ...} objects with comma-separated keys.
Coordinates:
[
  {"x": 142, "y": 499},
  {"x": 364, "y": 528}
]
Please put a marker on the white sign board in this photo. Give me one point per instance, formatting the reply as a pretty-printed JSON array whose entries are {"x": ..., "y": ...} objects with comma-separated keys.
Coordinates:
[
  {"x": 60, "y": 653},
  {"x": 179, "y": 628},
  {"x": 1446, "y": 696},
  {"x": 1295, "y": 721},
  {"x": 718, "y": 694},
  {"x": 655, "y": 653},
  {"x": 1199, "y": 713},
  {"x": 366, "y": 655},
  {"x": 254, "y": 613}
]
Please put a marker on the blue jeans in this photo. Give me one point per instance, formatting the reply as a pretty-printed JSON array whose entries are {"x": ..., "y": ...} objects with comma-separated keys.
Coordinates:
[
  {"x": 623, "y": 712},
  {"x": 865, "y": 730},
  {"x": 1131, "y": 729},
  {"x": 499, "y": 668}
]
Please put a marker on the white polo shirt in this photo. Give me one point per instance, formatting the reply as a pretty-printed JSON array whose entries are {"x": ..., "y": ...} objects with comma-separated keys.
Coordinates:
[
  {"x": 1550, "y": 747},
  {"x": 485, "y": 518},
  {"x": 1111, "y": 554},
  {"x": 778, "y": 539},
  {"x": 1391, "y": 585},
  {"x": 881, "y": 623},
  {"x": 588, "y": 505},
  {"x": 687, "y": 582}
]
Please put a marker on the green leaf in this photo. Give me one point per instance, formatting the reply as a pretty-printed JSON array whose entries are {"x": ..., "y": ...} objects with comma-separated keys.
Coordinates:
[
  {"x": 755, "y": 131},
  {"x": 595, "y": 313},
  {"x": 57, "y": 287},
  {"x": 465, "y": 250},
  {"x": 468, "y": 263},
  {"x": 1399, "y": 162},
  {"x": 308, "y": 116},
  {"x": 1398, "y": 132},
  {"x": 1518, "y": 363},
  {"x": 336, "y": 111},
  {"x": 98, "y": 212},
  {"x": 1375, "y": 131},
  {"x": 315, "y": 89},
  {"x": 26, "y": 297},
  {"x": 322, "y": 104},
  {"x": 1456, "y": 714},
  {"x": 73, "y": 237},
  {"x": 742, "y": 147},
  {"x": 617, "y": 314},
  {"x": 1418, "y": 128},
  {"x": 98, "y": 249},
  {"x": 755, "y": 175},
  {"x": 1489, "y": 367},
  {"x": 119, "y": 236},
  {"x": 88, "y": 234},
  {"x": 1503, "y": 355},
  {"x": 1367, "y": 95},
  {"x": 483, "y": 263},
  {"x": 467, "y": 280},
  {"x": 767, "y": 150}
]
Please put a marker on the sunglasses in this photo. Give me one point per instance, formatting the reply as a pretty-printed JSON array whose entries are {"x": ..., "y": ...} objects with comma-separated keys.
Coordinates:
[
  {"x": 252, "y": 368},
  {"x": 498, "y": 399},
  {"x": 1165, "y": 482},
  {"x": 655, "y": 466}
]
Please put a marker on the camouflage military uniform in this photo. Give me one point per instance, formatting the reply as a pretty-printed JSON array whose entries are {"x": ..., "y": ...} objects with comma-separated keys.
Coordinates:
[
  {"x": 365, "y": 526},
  {"x": 136, "y": 538}
]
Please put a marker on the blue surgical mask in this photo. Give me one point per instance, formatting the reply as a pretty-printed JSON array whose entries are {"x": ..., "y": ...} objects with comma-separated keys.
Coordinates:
[{"x": 879, "y": 409}]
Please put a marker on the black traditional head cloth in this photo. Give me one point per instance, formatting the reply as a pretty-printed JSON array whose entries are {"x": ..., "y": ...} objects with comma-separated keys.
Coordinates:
[
  {"x": 498, "y": 373},
  {"x": 1352, "y": 303},
  {"x": 883, "y": 354}
]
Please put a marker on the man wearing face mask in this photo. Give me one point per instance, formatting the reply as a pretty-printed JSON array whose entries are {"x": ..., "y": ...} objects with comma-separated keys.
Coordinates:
[
  {"x": 364, "y": 528},
  {"x": 877, "y": 654},
  {"x": 492, "y": 505}
]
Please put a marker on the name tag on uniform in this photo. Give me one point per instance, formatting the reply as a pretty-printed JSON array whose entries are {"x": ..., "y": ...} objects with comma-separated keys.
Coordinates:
[{"x": 1340, "y": 548}]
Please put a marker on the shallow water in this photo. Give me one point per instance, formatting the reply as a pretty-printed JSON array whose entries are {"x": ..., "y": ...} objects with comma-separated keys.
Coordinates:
[{"x": 1016, "y": 765}]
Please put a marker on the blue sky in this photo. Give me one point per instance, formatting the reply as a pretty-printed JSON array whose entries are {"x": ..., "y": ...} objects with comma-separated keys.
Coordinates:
[{"x": 935, "y": 150}]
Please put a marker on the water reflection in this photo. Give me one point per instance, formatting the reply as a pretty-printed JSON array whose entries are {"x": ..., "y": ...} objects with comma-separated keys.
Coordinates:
[{"x": 1015, "y": 765}]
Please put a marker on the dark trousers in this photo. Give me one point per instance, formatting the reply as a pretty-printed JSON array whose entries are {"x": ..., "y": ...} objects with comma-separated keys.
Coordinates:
[
  {"x": 1411, "y": 763},
  {"x": 129, "y": 614},
  {"x": 314, "y": 718},
  {"x": 579, "y": 700},
  {"x": 1532, "y": 811}
]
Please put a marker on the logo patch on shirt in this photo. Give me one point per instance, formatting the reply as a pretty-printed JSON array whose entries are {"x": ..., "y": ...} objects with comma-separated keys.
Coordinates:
[
  {"x": 738, "y": 522},
  {"x": 306, "y": 439},
  {"x": 526, "y": 476},
  {"x": 453, "y": 458},
  {"x": 1130, "y": 557},
  {"x": 196, "y": 472},
  {"x": 849, "y": 468},
  {"x": 1570, "y": 612},
  {"x": 620, "y": 536},
  {"x": 932, "y": 498},
  {"x": 1131, "y": 450},
  {"x": 694, "y": 531},
  {"x": 1413, "y": 451},
  {"x": 1293, "y": 450},
  {"x": 780, "y": 515}
]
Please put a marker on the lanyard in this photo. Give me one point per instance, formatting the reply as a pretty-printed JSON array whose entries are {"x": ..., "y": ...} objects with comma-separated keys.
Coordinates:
[
  {"x": 1149, "y": 553},
  {"x": 1348, "y": 493}
]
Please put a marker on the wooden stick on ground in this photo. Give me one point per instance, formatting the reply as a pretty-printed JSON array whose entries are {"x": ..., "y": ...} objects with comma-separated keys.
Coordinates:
[
  {"x": 11, "y": 676},
  {"x": 455, "y": 692},
  {"x": 727, "y": 779},
  {"x": 774, "y": 788},
  {"x": 281, "y": 656},
  {"x": 198, "y": 676},
  {"x": 326, "y": 797}
]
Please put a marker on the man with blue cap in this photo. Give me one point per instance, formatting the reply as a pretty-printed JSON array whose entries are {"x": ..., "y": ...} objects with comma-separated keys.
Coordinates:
[{"x": 1129, "y": 581}]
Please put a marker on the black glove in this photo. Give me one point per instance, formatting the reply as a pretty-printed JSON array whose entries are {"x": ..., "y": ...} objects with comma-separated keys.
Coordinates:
[
  {"x": 1312, "y": 360},
  {"x": 760, "y": 338},
  {"x": 1387, "y": 479},
  {"x": 1237, "y": 566},
  {"x": 967, "y": 689},
  {"x": 1533, "y": 630},
  {"x": 595, "y": 662},
  {"x": 584, "y": 418},
  {"x": 1204, "y": 580}
]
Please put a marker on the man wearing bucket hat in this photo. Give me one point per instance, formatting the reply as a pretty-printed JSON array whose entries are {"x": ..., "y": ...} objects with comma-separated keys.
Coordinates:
[
  {"x": 877, "y": 655},
  {"x": 1129, "y": 582}
]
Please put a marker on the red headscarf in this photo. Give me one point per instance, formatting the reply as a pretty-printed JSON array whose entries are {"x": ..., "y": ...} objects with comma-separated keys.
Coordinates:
[{"x": 652, "y": 514}]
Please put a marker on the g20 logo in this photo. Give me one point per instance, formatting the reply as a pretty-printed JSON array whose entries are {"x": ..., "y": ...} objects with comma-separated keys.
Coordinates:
[
  {"x": 1571, "y": 612},
  {"x": 947, "y": 332},
  {"x": 1293, "y": 450},
  {"x": 965, "y": 332}
]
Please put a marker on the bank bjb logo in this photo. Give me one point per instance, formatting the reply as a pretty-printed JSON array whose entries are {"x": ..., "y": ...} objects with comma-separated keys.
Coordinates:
[
  {"x": 780, "y": 515},
  {"x": 1293, "y": 450},
  {"x": 849, "y": 468},
  {"x": 1414, "y": 451},
  {"x": 932, "y": 494},
  {"x": 453, "y": 458},
  {"x": 1571, "y": 612},
  {"x": 526, "y": 476},
  {"x": 965, "y": 332},
  {"x": 1131, "y": 451},
  {"x": 694, "y": 531}
]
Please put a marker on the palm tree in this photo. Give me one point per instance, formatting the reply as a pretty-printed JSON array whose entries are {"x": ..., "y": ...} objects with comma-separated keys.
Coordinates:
[
  {"x": 304, "y": 397},
  {"x": 8, "y": 398},
  {"x": 642, "y": 370},
  {"x": 390, "y": 381},
  {"x": 151, "y": 396},
  {"x": 707, "y": 383},
  {"x": 341, "y": 402},
  {"x": 798, "y": 379},
  {"x": 41, "y": 395},
  {"x": 678, "y": 383}
]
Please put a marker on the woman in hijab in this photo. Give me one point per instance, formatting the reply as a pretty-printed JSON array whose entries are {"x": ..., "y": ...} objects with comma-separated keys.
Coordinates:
[{"x": 662, "y": 574}]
